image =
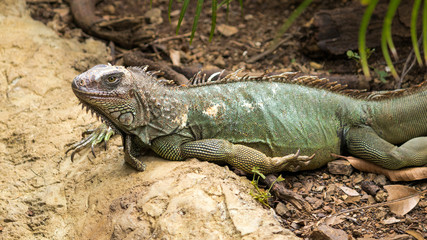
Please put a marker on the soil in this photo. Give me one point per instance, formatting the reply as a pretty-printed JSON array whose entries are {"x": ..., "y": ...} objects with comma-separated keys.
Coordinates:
[{"x": 256, "y": 28}]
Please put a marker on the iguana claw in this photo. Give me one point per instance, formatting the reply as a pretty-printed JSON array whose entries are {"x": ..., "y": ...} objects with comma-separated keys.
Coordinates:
[
  {"x": 292, "y": 162},
  {"x": 102, "y": 133}
]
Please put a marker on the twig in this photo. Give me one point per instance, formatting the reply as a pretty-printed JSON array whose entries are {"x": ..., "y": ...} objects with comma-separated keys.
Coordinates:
[
  {"x": 380, "y": 204},
  {"x": 269, "y": 50},
  {"x": 406, "y": 69},
  {"x": 160, "y": 40}
]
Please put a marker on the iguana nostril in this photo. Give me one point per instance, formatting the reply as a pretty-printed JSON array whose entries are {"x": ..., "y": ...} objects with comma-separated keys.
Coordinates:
[{"x": 80, "y": 82}]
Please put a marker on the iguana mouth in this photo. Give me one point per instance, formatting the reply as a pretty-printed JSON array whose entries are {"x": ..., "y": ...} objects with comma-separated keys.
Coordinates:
[{"x": 98, "y": 114}]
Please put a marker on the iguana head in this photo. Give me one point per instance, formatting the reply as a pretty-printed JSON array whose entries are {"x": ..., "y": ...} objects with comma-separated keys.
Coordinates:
[{"x": 110, "y": 92}]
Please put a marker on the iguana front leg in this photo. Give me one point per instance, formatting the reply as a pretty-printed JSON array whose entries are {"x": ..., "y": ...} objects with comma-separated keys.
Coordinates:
[
  {"x": 218, "y": 150},
  {"x": 102, "y": 133},
  {"x": 365, "y": 143}
]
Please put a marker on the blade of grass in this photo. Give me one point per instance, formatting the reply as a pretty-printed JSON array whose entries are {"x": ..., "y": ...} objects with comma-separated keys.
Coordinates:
[
  {"x": 196, "y": 19},
  {"x": 414, "y": 38},
  {"x": 291, "y": 19},
  {"x": 227, "y": 11},
  {"x": 213, "y": 23},
  {"x": 241, "y": 7},
  {"x": 386, "y": 36},
  {"x": 182, "y": 14},
  {"x": 224, "y": 2},
  {"x": 362, "y": 36},
  {"x": 388, "y": 20},
  {"x": 170, "y": 10},
  {"x": 425, "y": 31}
]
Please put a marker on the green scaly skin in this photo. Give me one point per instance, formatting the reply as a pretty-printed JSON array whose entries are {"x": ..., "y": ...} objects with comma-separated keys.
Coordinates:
[{"x": 274, "y": 123}]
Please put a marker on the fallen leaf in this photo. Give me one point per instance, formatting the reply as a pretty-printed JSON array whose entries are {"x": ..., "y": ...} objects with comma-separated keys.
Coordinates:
[
  {"x": 415, "y": 234},
  {"x": 349, "y": 191},
  {"x": 390, "y": 220},
  {"x": 334, "y": 220},
  {"x": 175, "y": 57},
  {"x": 405, "y": 174},
  {"x": 400, "y": 191}
]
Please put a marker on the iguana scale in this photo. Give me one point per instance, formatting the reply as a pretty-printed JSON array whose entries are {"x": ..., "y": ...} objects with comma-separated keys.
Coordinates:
[{"x": 277, "y": 123}]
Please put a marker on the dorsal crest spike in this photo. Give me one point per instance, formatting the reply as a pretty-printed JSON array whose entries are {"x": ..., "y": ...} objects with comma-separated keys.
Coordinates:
[{"x": 309, "y": 81}]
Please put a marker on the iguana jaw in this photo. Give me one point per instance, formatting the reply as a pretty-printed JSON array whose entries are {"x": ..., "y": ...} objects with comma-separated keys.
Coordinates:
[{"x": 98, "y": 113}]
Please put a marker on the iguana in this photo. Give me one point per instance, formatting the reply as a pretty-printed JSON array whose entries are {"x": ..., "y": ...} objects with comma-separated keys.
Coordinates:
[{"x": 277, "y": 123}]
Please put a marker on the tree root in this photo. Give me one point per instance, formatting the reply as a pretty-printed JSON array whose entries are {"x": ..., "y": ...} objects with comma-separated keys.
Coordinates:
[{"x": 126, "y": 32}]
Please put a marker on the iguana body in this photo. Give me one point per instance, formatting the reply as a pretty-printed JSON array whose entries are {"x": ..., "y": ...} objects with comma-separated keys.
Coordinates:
[{"x": 250, "y": 122}]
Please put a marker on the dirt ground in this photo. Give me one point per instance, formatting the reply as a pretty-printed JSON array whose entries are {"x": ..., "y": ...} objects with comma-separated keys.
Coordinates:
[{"x": 46, "y": 196}]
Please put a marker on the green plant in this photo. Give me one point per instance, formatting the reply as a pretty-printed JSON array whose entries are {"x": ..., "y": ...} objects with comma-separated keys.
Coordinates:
[
  {"x": 355, "y": 56},
  {"x": 215, "y": 6},
  {"x": 260, "y": 194},
  {"x": 386, "y": 36},
  {"x": 381, "y": 74}
]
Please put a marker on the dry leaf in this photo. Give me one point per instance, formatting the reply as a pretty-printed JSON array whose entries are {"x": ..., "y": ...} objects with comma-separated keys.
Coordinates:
[
  {"x": 390, "y": 220},
  {"x": 415, "y": 234},
  {"x": 175, "y": 57},
  {"x": 334, "y": 220},
  {"x": 406, "y": 174},
  {"x": 399, "y": 191},
  {"x": 349, "y": 191}
]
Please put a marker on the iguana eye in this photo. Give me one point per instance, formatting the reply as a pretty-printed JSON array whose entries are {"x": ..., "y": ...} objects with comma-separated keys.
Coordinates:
[{"x": 112, "y": 79}]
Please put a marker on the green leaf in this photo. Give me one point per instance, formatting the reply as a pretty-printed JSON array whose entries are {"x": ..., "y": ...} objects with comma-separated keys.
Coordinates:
[
  {"x": 182, "y": 14},
  {"x": 362, "y": 36},
  {"x": 196, "y": 19},
  {"x": 213, "y": 23},
  {"x": 414, "y": 38}
]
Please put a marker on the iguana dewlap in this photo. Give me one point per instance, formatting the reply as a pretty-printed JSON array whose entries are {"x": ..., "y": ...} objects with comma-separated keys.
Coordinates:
[{"x": 276, "y": 123}]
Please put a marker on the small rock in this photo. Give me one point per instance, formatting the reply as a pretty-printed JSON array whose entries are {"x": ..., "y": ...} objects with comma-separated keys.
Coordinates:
[
  {"x": 227, "y": 30},
  {"x": 282, "y": 210},
  {"x": 249, "y": 17},
  {"x": 154, "y": 16},
  {"x": 110, "y": 9},
  {"x": 175, "y": 13},
  {"x": 341, "y": 167},
  {"x": 219, "y": 61},
  {"x": 324, "y": 232}
]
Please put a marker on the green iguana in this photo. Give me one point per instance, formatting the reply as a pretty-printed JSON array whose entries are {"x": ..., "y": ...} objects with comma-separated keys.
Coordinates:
[{"x": 276, "y": 123}]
